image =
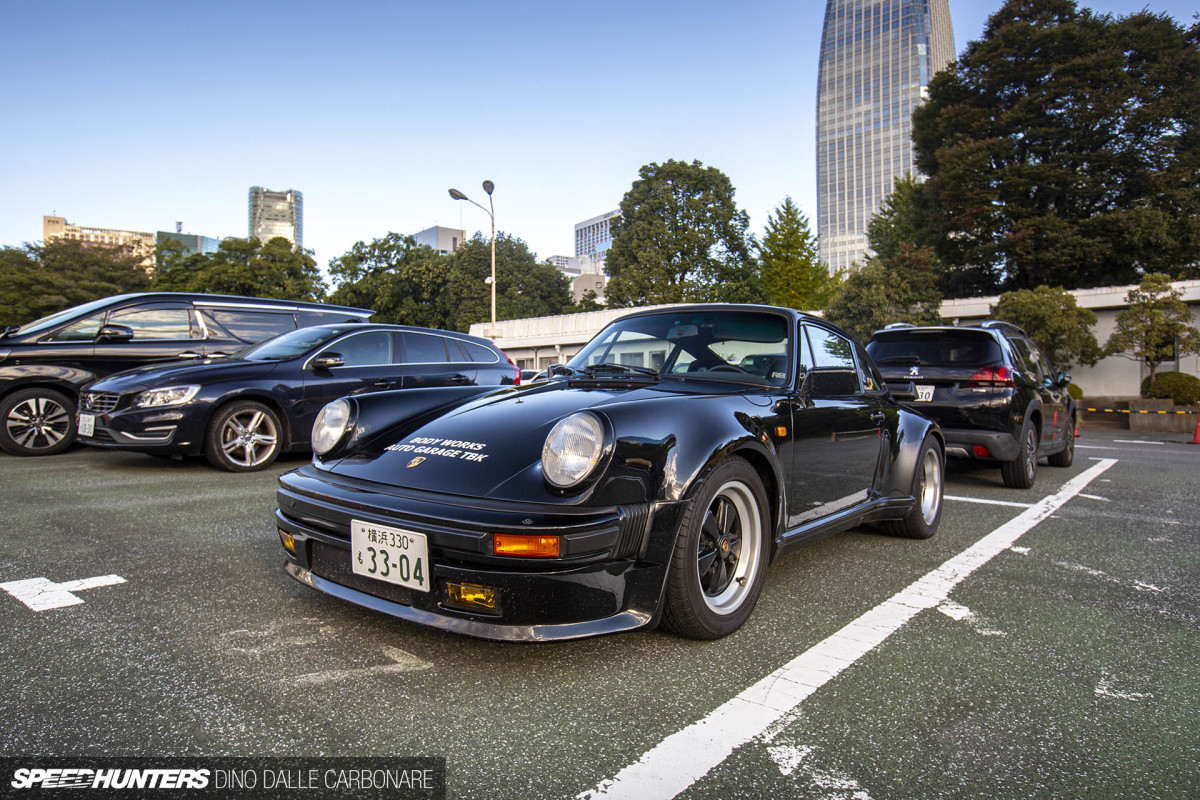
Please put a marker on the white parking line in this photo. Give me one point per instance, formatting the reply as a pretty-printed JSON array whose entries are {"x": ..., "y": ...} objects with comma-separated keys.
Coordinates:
[
  {"x": 686, "y": 756},
  {"x": 1138, "y": 441},
  {"x": 987, "y": 502},
  {"x": 41, "y": 594}
]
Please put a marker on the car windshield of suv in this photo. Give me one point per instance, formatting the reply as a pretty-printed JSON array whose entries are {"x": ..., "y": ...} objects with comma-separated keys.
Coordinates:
[
  {"x": 294, "y": 344},
  {"x": 47, "y": 322},
  {"x": 750, "y": 347},
  {"x": 942, "y": 348}
]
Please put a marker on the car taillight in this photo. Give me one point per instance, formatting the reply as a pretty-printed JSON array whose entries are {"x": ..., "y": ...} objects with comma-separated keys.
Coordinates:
[
  {"x": 992, "y": 376},
  {"x": 516, "y": 370}
]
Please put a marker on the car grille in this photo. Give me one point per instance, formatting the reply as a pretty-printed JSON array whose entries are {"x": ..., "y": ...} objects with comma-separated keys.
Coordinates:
[
  {"x": 333, "y": 563},
  {"x": 99, "y": 402}
]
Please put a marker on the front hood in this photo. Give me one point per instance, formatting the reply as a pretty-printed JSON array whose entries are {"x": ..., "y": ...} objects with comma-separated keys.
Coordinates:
[
  {"x": 182, "y": 373},
  {"x": 491, "y": 447}
]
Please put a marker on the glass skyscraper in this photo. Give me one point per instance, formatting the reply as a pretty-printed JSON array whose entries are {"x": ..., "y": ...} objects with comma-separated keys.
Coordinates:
[
  {"x": 877, "y": 57},
  {"x": 277, "y": 214}
]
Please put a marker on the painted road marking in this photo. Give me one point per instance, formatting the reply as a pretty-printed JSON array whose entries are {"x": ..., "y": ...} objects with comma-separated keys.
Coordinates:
[
  {"x": 688, "y": 755},
  {"x": 41, "y": 594},
  {"x": 987, "y": 502},
  {"x": 1137, "y": 441},
  {"x": 401, "y": 661}
]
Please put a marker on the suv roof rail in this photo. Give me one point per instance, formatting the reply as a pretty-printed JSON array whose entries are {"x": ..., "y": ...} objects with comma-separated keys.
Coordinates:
[
  {"x": 893, "y": 326},
  {"x": 999, "y": 323}
]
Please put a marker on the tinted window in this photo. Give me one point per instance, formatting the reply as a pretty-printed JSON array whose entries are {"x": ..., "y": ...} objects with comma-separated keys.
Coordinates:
[
  {"x": 251, "y": 326},
  {"x": 83, "y": 330},
  {"x": 421, "y": 348},
  {"x": 310, "y": 317},
  {"x": 57, "y": 317},
  {"x": 364, "y": 349},
  {"x": 156, "y": 323},
  {"x": 478, "y": 353},
  {"x": 964, "y": 348},
  {"x": 829, "y": 349},
  {"x": 872, "y": 381}
]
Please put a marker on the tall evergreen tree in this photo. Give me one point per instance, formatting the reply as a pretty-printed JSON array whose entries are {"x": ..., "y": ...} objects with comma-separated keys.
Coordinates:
[
  {"x": 792, "y": 274},
  {"x": 680, "y": 237}
]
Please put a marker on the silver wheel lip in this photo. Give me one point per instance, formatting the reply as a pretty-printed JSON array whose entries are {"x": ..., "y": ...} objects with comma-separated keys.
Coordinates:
[
  {"x": 734, "y": 596},
  {"x": 930, "y": 495},
  {"x": 247, "y": 438},
  {"x": 22, "y": 430}
]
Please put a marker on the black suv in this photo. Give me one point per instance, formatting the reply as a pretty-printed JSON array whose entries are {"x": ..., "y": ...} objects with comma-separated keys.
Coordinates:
[
  {"x": 43, "y": 364},
  {"x": 990, "y": 388}
]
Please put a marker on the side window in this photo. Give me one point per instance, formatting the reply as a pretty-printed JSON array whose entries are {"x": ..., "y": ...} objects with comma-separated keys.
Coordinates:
[
  {"x": 478, "y": 353},
  {"x": 82, "y": 331},
  {"x": 157, "y": 323},
  {"x": 251, "y": 327},
  {"x": 422, "y": 348},
  {"x": 835, "y": 352},
  {"x": 804, "y": 359},
  {"x": 364, "y": 349},
  {"x": 868, "y": 375},
  {"x": 1026, "y": 352}
]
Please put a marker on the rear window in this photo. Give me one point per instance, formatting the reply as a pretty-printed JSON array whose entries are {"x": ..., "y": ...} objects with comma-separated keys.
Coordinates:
[{"x": 935, "y": 349}]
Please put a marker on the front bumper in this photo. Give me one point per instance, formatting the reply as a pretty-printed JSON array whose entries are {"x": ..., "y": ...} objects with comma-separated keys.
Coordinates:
[
  {"x": 163, "y": 431},
  {"x": 610, "y": 577}
]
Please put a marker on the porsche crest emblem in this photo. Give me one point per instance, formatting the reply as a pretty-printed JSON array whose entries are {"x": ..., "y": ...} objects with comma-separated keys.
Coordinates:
[{"x": 416, "y": 462}]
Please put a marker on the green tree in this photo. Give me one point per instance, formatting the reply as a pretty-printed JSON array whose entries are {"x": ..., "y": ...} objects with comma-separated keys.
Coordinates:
[
  {"x": 1062, "y": 149},
  {"x": 900, "y": 289},
  {"x": 246, "y": 267},
  {"x": 36, "y": 280},
  {"x": 792, "y": 274},
  {"x": 586, "y": 303},
  {"x": 1156, "y": 326},
  {"x": 1054, "y": 321},
  {"x": 403, "y": 282},
  {"x": 524, "y": 287},
  {"x": 680, "y": 237}
]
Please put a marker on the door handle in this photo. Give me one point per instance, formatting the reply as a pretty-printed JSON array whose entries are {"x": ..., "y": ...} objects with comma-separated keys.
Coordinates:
[
  {"x": 189, "y": 354},
  {"x": 382, "y": 384},
  {"x": 878, "y": 417},
  {"x": 460, "y": 380}
]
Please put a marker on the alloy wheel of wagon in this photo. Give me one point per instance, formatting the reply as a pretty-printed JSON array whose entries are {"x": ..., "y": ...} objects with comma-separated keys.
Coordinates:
[
  {"x": 37, "y": 422},
  {"x": 922, "y": 522},
  {"x": 1066, "y": 456},
  {"x": 720, "y": 555},
  {"x": 243, "y": 437},
  {"x": 1022, "y": 470}
]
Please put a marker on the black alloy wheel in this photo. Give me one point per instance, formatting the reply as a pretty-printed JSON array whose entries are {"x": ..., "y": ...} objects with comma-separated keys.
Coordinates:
[{"x": 1022, "y": 470}]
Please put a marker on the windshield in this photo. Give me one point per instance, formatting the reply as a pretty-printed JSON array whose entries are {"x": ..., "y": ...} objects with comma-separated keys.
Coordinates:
[
  {"x": 294, "y": 344},
  {"x": 738, "y": 346},
  {"x": 59, "y": 317}
]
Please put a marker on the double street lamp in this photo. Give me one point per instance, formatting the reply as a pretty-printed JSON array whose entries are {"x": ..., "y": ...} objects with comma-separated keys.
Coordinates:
[{"x": 488, "y": 186}]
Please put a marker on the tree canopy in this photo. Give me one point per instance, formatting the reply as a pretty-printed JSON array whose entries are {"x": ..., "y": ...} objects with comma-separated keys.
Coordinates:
[
  {"x": 680, "y": 237},
  {"x": 524, "y": 287},
  {"x": 792, "y": 274},
  {"x": 1055, "y": 322},
  {"x": 1156, "y": 326},
  {"x": 36, "y": 280},
  {"x": 246, "y": 267},
  {"x": 902, "y": 288},
  {"x": 404, "y": 283},
  {"x": 1062, "y": 149}
]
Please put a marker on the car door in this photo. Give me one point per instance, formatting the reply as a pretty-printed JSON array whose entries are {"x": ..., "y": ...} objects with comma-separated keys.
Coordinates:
[
  {"x": 434, "y": 360},
  {"x": 356, "y": 363},
  {"x": 837, "y": 424},
  {"x": 1054, "y": 398},
  {"x": 161, "y": 332}
]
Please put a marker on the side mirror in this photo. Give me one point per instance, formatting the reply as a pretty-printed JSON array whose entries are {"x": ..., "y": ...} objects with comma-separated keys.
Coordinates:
[
  {"x": 1063, "y": 379},
  {"x": 114, "y": 334},
  {"x": 328, "y": 361}
]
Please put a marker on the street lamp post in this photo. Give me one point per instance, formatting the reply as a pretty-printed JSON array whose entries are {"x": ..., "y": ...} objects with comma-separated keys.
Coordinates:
[{"x": 488, "y": 187}]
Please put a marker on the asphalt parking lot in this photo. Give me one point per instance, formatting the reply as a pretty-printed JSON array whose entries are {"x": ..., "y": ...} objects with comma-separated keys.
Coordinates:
[{"x": 1043, "y": 644}]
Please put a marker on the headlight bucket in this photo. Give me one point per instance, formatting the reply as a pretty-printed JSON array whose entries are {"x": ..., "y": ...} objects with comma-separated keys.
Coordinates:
[
  {"x": 167, "y": 396},
  {"x": 331, "y": 426},
  {"x": 573, "y": 449}
]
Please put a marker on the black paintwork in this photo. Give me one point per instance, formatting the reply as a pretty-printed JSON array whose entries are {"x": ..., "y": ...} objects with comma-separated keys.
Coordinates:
[
  {"x": 831, "y": 456},
  {"x": 297, "y": 387}
]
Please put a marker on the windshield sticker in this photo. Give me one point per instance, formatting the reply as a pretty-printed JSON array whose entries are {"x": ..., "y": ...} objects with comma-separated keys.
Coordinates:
[{"x": 446, "y": 448}]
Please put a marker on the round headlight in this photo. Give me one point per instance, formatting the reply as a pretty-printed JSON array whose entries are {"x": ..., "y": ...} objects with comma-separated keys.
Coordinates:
[
  {"x": 330, "y": 426},
  {"x": 572, "y": 449}
]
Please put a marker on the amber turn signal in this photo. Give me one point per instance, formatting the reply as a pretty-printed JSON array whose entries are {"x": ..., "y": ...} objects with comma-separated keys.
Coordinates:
[
  {"x": 288, "y": 541},
  {"x": 525, "y": 546}
]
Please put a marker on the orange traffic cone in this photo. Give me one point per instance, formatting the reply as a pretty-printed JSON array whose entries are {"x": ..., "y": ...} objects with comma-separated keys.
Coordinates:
[{"x": 1196, "y": 438}]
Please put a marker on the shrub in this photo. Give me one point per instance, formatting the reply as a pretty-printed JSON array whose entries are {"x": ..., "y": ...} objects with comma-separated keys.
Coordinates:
[
  {"x": 1075, "y": 391},
  {"x": 1181, "y": 387}
]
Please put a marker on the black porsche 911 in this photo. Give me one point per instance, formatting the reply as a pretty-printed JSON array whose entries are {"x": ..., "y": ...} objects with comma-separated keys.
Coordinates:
[{"x": 652, "y": 478}]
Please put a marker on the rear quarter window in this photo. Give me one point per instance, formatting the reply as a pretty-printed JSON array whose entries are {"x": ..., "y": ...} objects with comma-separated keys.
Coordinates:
[
  {"x": 936, "y": 349},
  {"x": 251, "y": 327}
]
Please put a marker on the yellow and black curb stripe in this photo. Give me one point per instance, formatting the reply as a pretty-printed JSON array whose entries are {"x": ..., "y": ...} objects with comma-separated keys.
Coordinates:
[{"x": 1130, "y": 411}]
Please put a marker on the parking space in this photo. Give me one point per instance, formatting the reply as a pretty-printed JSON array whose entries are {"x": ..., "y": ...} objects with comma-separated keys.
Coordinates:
[{"x": 1061, "y": 665}]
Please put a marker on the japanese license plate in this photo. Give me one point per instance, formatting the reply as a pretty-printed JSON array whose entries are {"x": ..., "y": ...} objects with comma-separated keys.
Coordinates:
[
  {"x": 389, "y": 554},
  {"x": 87, "y": 424},
  {"x": 924, "y": 393}
]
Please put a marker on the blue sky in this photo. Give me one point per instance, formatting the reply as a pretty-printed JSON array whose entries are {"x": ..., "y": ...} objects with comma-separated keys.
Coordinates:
[{"x": 136, "y": 115}]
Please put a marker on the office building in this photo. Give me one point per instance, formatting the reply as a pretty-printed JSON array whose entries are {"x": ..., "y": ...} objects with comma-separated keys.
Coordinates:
[
  {"x": 192, "y": 243},
  {"x": 877, "y": 57},
  {"x": 443, "y": 240},
  {"x": 140, "y": 243},
  {"x": 594, "y": 236},
  {"x": 276, "y": 214}
]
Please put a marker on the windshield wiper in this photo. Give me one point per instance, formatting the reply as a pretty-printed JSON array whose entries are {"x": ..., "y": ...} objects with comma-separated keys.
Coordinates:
[{"x": 607, "y": 368}]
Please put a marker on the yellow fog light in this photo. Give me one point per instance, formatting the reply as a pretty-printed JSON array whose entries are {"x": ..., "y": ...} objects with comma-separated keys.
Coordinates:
[
  {"x": 469, "y": 595},
  {"x": 288, "y": 540},
  {"x": 525, "y": 546}
]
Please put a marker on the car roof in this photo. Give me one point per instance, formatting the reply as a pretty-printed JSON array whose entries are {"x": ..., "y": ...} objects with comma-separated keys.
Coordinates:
[
  {"x": 387, "y": 326},
  {"x": 233, "y": 299},
  {"x": 986, "y": 326}
]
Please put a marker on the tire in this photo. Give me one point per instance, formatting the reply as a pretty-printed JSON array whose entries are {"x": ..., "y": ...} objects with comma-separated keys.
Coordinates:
[
  {"x": 720, "y": 558},
  {"x": 37, "y": 422},
  {"x": 1066, "y": 456},
  {"x": 928, "y": 481},
  {"x": 243, "y": 436},
  {"x": 1022, "y": 470}
]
